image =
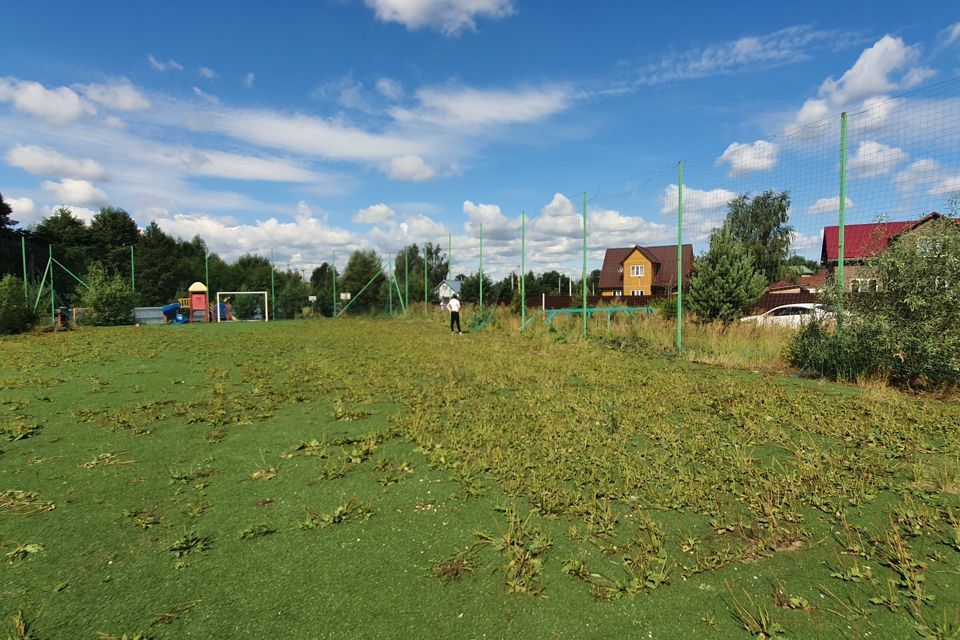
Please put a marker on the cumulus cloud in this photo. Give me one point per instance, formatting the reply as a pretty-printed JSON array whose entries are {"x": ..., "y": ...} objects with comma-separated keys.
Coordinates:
[
  {"x": 207, "y": 73},
  {"x": 695, "y": 201},
  {"x": 389, "y": 88},
  {"x": 170, "y": 64},
  {"x": 874, "y": 159},
  {"x": 411, "y": 168},
  {"x": 76, "y": 192},
  {"x": 951, "y": 34},
  {"x": 24, "y": 210},
  {"x": 829, "y": 205},
  {"x": 947, "y": 187},
  {"x": 248, "y": 80},
  {"x": 449, "y": 17},
  {"x": 744, "y": 158},
  {"x": 59, "y": 106},
  {"x": 375, "y": 214},
  {"x": 888, "y": 65},
  {"x": 120, "y": 95},
  {"x": 46, "y": 162},
  {"x": 918, "y": 175}
]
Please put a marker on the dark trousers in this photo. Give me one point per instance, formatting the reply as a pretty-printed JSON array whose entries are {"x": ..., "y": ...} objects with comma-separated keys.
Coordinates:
[{"x": 455, "y": 318}]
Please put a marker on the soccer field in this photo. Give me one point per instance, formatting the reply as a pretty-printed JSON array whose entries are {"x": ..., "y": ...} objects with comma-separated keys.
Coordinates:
[{"x": 375, "y": 479}]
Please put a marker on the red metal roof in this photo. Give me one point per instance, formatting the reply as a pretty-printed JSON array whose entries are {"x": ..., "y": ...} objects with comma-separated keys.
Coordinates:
[
  {"x": 864, "y": 240},
  {"x": 663, "y": 258}
]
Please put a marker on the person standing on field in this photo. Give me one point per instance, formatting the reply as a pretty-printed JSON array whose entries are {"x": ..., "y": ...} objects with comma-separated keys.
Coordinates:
[{"x": 454, "y": 306}]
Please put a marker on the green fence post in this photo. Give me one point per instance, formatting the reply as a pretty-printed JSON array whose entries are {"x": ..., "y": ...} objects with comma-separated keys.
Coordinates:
[
  {"x": 333, "y": 269},
  {"x": 406, "y": 275},
  {"x": 273, "y": 289},
  {"x": 206, "y": 271},
  {"x": 26, "y": 285},
  {"x": 584, "y": 281},
  {"x": 680, "y": 256},
  {"x": 133, "y": 270},
  {"x": 389, "y": 301},
  {"x": 359, "y": 293},
  {"x": 53, "y": 310},
  {"x": 481, "y": 267},
  {"x": 841, "y": 253},
  {"x": 425, "y": 267},
  {"x": 450, "y": 256},
  {"x": 523, "y": 269}
]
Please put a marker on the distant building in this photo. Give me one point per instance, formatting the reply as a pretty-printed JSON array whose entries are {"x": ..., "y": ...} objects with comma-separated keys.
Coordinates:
[
  {"x": 644, "y": 271},
  {"x": 445, "y": 291}
]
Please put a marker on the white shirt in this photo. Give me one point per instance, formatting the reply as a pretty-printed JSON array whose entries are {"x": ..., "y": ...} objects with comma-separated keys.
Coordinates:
[{"x": 453, "y": 305}]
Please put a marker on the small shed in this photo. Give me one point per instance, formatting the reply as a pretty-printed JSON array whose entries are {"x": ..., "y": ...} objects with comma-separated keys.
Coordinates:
[{"x": 445, "y": 291}]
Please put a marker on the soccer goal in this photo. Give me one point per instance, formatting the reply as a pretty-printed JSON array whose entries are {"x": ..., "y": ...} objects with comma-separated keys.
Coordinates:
[{"x": 242, "y": 305}]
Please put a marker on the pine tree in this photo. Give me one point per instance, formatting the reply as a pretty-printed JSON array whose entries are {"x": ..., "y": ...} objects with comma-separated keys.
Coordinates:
[{"x": 725, "y": 284}]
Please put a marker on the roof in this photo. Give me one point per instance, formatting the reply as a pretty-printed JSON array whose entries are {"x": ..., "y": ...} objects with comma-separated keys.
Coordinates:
[
  {"x": 453, "y": 284},
  {"x": 664, "y": 257},
  {"x": 815, "y": 281},
  {"x": 865, "y": 240}
]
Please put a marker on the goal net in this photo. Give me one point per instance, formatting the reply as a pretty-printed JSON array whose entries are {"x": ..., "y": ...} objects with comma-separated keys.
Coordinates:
[{"x": 241, "y": 305}]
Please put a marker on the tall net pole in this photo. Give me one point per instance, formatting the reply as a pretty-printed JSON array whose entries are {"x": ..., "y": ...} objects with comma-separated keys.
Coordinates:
[
  {"x": 481, "y": 267},
  {"x": 26, "y": 285},
  {"x": 680, "y": 256},
  {"x": 133, "y": 271},
  {"x": 53, "y": 310},
  {"x": 450, "y": 256},
  {"x": 206, "y": 270},
  {"x": 425, "y": 267},
  {"x": 406, "y": 275},
  {"x": 273, "y": 288},
  {"x": 584, "y": 271},
  {"x": 523, "y": 269},
  {"x": 842, "y": 206},
  {"x": 333, "y": 270}
]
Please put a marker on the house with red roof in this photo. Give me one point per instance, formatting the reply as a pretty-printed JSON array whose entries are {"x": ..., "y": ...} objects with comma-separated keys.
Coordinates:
[
  {"x": 861, "y": 242},
  {"x": 644, "y": 271}
]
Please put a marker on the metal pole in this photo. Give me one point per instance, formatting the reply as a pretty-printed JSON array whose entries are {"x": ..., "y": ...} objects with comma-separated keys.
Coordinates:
[
  {"x": 680, "y": 256},
  {"x": 450, "y": 256},
  {"x": 53, "y": 310},
  {"x": 389, "y": 300},
  {"x": 206, "y": 271},
  {"x": 425, "y": 267},
  {"x": 133, "y": 271},
  {"x": 362, "y": 289},
  {"x": 841, "y": 253},
  {"x": 481, "y": 268},
  {"x": 26, "y": 285},
  {"x": 273, "y": 290},
  {"x": 584, "y": 274},
  {"x": 523, "y": 269},
  {"x": 406, "y": 275},
  {"x": 333, "y": 269}
]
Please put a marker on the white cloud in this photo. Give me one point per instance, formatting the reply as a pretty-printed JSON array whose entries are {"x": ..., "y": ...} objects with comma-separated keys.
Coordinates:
[
  {"x": 785, "y": 46},
  {"x": 120, "y": 95},
  {"x": 948, "y": 187},
  {"x": 695, "y": 201},
  {"x": 207, "y": 73},
  {"x": 917, "y": 175},
  {"x": 874, "y": 159},
  {"x": 248, "y": 80},
  {"x": 221, "y": 164},
  {"x": 59, "y": 106},
  {"x": 46, "y": 162},
  {"x": 951, "y": 34},
  {"x": 206, "y": 97},
  {"x": 170, "y": 64},
  {"x": 829, "y": 205},
  {"x": 743, "y": 158},
  {"x": 411, "y": 168},
  {"x": 390, "y": 88},
  {"x": 114, "y": 122},
  {"x": 76, "y": 192},
  {"x": 375, "y": 214},
  {"x": 888, "y": 65},
  {"x": 457, "y": 107},
  {"x": 449, "y": 17},
  {"x": 24, "y": 210}
]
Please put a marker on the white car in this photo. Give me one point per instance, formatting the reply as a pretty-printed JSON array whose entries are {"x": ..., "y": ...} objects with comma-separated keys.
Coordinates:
[{"x": 790, "y": 315}]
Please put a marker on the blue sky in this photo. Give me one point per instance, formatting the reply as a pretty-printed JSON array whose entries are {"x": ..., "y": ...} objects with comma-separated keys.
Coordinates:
[{"x": 312, "y": 127}]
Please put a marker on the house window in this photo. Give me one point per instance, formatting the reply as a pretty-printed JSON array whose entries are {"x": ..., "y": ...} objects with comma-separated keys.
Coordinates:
[
  {"x": 637, "y": 292},
  {"x": 863, "y": 285},
  {"x": 637, "y": 270},
  {"x": 617, "y": 292}
]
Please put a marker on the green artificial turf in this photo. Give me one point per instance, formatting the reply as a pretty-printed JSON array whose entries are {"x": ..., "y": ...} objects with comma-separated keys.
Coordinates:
[{"x": 327, "y": 479}]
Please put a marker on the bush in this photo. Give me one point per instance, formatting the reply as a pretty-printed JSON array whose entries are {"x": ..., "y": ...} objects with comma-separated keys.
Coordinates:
[
  {"x": 907, "y": 331},
  {"x": 15, "y": 313},
  {"x": 109, "y": 300}
]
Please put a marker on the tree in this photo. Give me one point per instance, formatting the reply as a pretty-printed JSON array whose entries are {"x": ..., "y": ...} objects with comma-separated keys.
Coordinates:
[
  {"x": 158, "y": 276},
  {"x": 112, "y": 233},
  {"x": 15, "y": 313},
  {"x": 361, "y": 268},
  {"x": 725, "y": 283},
  {"x": 321, "y": 283},
  {"x": 292, "y": 293},
  {"x": 760, "y": 224},
  {"x": 438, "y": 267},
  {"x": 470, "y": 289},
  {"x": 62, "y": 228},
  {"x": 6, "y": 223},
  {"x": 108, "y": 298}
]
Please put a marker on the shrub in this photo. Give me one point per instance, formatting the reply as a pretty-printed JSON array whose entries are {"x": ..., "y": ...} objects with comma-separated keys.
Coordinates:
[
  {"x": 15, "y": 313},
  {"x": 109, "y": 300},
  {"x": 909, "y": 329},
  {"x": 725, "y": 283}
]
